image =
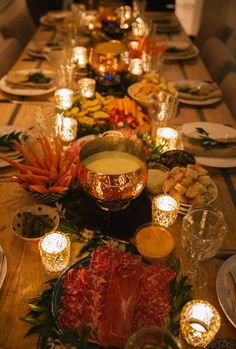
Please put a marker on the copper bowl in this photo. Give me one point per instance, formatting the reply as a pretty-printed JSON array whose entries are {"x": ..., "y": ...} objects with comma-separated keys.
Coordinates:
[{"x": 113, "y": 192}]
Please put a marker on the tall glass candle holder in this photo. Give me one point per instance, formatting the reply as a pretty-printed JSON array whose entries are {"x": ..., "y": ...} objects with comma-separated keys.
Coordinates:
[
  {"x": 67, "y": 129},
  {"x": 136, "y": 66},
  {"x": 80, "y": 56},
  {"x": 167, "y": 137},
  {"x": 54, "y": 250},
  {"x": 87, "y": 87},
  {"x": 164, "y": 210},
  {"x": 64, "y": 98},
  {"x": 199, "y": 323}
]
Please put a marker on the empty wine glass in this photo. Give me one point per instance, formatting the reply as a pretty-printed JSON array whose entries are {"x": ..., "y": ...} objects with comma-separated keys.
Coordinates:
[
  {"x": 152, "y": 338},
  {"x": 203, "y": 231}
]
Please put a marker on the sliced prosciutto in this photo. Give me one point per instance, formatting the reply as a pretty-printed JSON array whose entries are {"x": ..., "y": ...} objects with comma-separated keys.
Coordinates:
[{"x": 114, "y": 296}]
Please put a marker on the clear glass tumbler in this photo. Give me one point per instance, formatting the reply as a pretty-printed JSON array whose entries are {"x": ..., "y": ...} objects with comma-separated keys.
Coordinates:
[
  {"x": 162, "y": 107},
  {"x": 152, "y": 338}
]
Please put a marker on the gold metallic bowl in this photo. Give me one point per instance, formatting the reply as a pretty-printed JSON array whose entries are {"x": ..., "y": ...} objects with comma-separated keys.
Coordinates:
[{"x": 113, "y": 192}]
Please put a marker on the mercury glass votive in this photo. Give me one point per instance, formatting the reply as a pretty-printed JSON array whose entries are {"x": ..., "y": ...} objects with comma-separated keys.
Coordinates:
[
  {"x": 136, "y": 66},
  {"x": 87, "y": 87},
  {"x": 54, "y": 250},
  {"x": 80, "y": 56},
  {"x": 167, "y": 137},
  {"x": 199, "y": 323},
  {"x": 64, "y": 98},
  {"x": 164, "y": 210},
  {"x": 67, "y": 129}
]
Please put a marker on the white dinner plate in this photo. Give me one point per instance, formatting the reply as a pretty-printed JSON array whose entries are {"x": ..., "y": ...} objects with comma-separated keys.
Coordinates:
[
  {"x": 215, "y": 131},
  {"x": 180, "y": 45},
  {"x": 6, "y": 129},
  {"x": 222, "y": 290},
  {"x": 4, "y": 268},
  {"x": 195, "y": 83},
  {"x": 27, "y": 91}
]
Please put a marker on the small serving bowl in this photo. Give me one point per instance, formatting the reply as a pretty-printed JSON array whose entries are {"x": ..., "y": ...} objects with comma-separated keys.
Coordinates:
[
  {"x": 154, "y": 242},
  {"x": 181, "y": 158},
  {"x": 29, "y": 218}
]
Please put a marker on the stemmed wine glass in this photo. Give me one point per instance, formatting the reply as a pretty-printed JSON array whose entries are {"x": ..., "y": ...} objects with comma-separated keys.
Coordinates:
[{"x": 203, "y": 230}]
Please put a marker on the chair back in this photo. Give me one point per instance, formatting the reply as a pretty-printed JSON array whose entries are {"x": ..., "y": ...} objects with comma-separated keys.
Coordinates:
[
  {"x": 228, "y": 88},
  {"x": 10, "y": 49},
  {"x": 217, "y": 58}
]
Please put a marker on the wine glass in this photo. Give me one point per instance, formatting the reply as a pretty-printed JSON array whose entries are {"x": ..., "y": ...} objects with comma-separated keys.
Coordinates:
[
  {"x": 152, "y": 338},
  {"x": 203, "y": 231}
]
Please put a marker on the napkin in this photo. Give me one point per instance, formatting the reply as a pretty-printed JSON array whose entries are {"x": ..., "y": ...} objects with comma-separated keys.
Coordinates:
[
  {"x": 226, "y": 151},
  {"x": 20, "y": 80},
  {"x": 179, "y": 51},
  {"x": 202, "y": 91}
]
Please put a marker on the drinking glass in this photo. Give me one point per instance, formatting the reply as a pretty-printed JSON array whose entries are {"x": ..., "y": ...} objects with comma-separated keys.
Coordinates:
[
  {"x": 162, "y": 107},
  {"x": 203, "y": 231},
  {"x": 47, "y": 121},
  {"x": 152, "y": 338}
]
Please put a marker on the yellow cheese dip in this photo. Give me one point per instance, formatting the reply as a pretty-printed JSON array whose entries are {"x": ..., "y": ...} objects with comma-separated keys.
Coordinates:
[
  {"x": 112, "y": 162},
  {"x": 154, "y": 242}
]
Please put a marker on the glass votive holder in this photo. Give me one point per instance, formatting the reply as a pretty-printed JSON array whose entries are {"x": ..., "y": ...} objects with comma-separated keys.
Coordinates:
[
  {"x": 167, "y": 137},
  {"x": 64, "y": 98},
  {"x": 199, "y": 323},
  {"x": 67, "y": 130},
  {"x": 87, "y": 87},
  {"x": 136, "y": 66},
  {"x": 54, "y": 250},
  {"x": 80, "y": 56},
  {"x": 164, "y": 210}
]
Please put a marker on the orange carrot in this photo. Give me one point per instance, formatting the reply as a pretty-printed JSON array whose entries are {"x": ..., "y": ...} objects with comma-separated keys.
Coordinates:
[
  {"x": 25, "y": 153},
  {"x": 35, "y": 170},
  {"x": 58, "y": 148},
  {"x": 38, "y": 160},
  {"x": 57, "y": 189},
  {"x": 45, "y": 153},
  {"x": 13, "y": 163},
  {"x": 38, "y": 188}
]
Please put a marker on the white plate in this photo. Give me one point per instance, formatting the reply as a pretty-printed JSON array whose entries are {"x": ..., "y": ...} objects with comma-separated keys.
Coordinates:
[
  {"x": 27, "y": 91},
  {"x": 180, "y": 44},
  {"x": 215, "y": 131},
  {"x": 193, "y": 83},
  {"x": 4, "y": 268},
  {"x": 222, "y": 290},
  {"x": 6, "y": 130}
]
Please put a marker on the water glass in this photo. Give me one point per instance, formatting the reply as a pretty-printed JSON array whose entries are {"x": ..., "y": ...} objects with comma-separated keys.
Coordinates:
[
  {"x": 47, "y": 121},
  {"x": 162, "y": 107},
  {"x": 203, "y": 231},
  {"x": 152, "y": 338}
]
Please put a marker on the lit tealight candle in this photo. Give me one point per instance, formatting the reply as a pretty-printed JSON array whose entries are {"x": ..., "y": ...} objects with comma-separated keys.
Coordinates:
[
  {"x": 54, "y": 250},
  {"x": 87, "y": 87},
  {"x": 64, "y": 98},
  {"x": 164, "y": 210},
  {"x": 167, "y": 137},
  {"x": 136, "y": 66},
  {"x": 67, "y": 129},
  {"x": 199, "y": 323},
  {"x": 80, "y": 56}
]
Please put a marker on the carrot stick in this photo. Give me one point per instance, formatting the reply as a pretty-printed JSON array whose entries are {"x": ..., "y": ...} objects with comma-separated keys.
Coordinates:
[
  {"x": 34, "y": 170},
  {"x": 38, "y": 160},
  {"x": 38, "y": 188},
  {"x": 45, "y": 153},
  {"x": 58, "y": 148},
  {"x": 25, "y": 153},
  {"x": 57, "y": 189},
  {"x": 13, "y": 163}
]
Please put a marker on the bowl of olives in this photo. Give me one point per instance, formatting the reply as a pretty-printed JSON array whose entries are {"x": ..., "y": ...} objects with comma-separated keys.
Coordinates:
[{"x": 32, "y": 222}]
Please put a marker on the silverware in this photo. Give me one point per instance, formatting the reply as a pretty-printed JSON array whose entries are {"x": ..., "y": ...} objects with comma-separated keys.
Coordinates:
[{"x": 231, "y": 285}]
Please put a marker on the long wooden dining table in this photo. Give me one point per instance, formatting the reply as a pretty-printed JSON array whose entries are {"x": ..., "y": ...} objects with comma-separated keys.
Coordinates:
[{"x": 25, "y": 277}]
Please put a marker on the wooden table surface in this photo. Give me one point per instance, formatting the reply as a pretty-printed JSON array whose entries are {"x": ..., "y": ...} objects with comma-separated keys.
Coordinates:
[{"x": 25, "y": 274}]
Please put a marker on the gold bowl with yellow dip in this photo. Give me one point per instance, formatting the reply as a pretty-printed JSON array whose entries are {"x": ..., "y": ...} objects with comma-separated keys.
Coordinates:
[
  {"x": 113, "y": 171},
  {"x": 154, "y": 242}
]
